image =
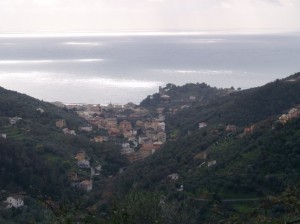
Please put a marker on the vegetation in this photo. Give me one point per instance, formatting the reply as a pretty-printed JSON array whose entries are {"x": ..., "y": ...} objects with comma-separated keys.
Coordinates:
[{"x": 224, "y": 175}]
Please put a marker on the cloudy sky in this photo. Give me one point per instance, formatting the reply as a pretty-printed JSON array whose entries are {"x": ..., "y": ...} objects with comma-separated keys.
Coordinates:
[{"x": 57, "y": 16}]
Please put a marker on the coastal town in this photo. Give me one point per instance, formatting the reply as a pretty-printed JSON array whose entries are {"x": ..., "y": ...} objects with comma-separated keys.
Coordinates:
[{"x": 135, "y": 129}]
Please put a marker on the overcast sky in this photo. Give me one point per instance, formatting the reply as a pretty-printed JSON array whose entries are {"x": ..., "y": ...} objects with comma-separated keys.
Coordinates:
[{"x": 58, "y": 16}]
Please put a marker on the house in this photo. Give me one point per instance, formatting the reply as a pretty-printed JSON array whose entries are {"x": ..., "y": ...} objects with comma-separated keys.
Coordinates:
[
  {"x": 69, "y": 131},
  {"x": 114, "y": 131},
  {"x": 15, "y": 201},
  {"x": 111, "y": 122},
  {"x": 283, "y": 118},
  {"x": 127, "y": 134},
  {"x": 84, "y": 164},
  {"x": 125, "y": 126},
  {"x": 192, "y": 98},
  {"x": 80, "y": 156},
  {"x": 165, "y": 97},
  {"x": 96, "y": 120},
  {"x": 202, "y": 125},
  {"x": 14, "y": 120},
  {"x": 3, "y": 135},
  {"x": 211, "y": 163},
  {"x": 86, "y": 185},
  {"x": 40, "y": 110},
  {"x": 152, "y": 124},
  {"x": 61, "y": 123},
  {"x": 293, "y": 113},
  {"x": 86, "y": 128},
  {"x": 173, "y": 177},
  {"x": 100, "y": 139}
]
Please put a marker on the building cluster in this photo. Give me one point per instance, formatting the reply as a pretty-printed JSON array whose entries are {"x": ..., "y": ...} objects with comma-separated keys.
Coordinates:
[
  {"x": 130, "y": 126},
  {"x": 13, "y": 201},
  {"x": 292, "y": 113},
  {"x": 62, "y": 124},
  {"x": 79, "y": 180}
]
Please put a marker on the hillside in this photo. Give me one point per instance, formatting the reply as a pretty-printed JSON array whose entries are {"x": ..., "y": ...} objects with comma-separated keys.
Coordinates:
[
  {"x": 242, "y": 108},
  {"x": 38, "y": 158},
  {"x": 216, "y": 164},
  {"x": 231, "y": 157},
  {"x": 172, "y": 96}
]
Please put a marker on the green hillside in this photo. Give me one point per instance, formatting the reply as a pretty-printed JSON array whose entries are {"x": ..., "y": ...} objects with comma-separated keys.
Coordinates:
[
  {"x": 241, "y": 108},
  {"x": 233, "y": 170},
  {"x": 37, "y": 159},
  {"x": 240, "y": 166}
]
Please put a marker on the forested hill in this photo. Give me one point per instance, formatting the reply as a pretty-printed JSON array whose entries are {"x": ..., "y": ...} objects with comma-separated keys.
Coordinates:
[
  {"x": 242, "y": 167},
  {"x": 241, "y": 108},
  {"x": 14, "y": 104},
  {"x": 38, "y": 159},
  {"x": 172, "y": 95}
]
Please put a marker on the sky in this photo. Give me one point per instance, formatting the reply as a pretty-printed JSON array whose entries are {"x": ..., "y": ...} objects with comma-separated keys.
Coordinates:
[{"x": 79, "y": 16}]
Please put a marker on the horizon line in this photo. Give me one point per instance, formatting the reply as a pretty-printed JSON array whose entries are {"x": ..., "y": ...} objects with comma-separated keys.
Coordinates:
[{"x": 145, "y": 33}]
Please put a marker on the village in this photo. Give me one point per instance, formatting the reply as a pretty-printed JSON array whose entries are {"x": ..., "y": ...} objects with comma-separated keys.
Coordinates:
[{"x": 137, "y": 131}]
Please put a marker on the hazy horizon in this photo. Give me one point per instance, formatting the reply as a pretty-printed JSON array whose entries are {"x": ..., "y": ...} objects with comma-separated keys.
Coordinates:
[{"x": 80, "y": 16}]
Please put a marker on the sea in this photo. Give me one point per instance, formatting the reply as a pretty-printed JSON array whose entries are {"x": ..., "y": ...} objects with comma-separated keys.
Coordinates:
[{"x": 102, "y": 69}]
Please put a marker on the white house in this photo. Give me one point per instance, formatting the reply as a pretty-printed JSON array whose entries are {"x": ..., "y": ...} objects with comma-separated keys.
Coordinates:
[
  {"x": 84, "y": 164},
  {"x": 173, "y": 176},
  {"x": 15, "y": 201},
  {"x": 211, "y": 163},
  {"x": 202, "y": 125},
  {"x": 41, "y": 110},
  {"x": 14, "y": 120}
]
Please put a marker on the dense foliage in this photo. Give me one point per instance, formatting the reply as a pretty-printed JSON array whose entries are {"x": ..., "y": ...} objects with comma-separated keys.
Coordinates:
[
  {"x": 222, "y": 176},
  {"x": 37, "y": 159},
  {"x": 248, "y": 167}
]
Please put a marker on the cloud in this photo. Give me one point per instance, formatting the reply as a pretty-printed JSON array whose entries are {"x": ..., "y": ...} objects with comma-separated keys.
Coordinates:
[{"x": 120, "y": 15}]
